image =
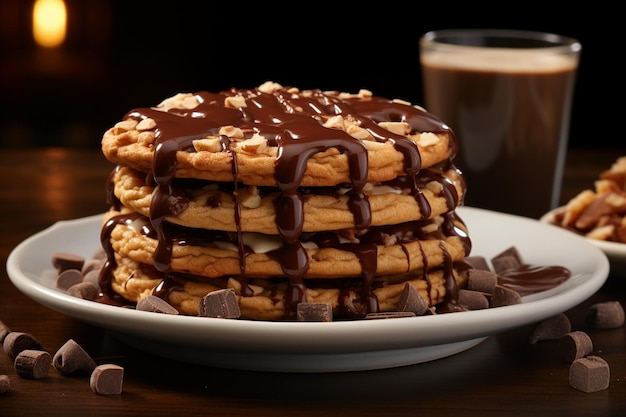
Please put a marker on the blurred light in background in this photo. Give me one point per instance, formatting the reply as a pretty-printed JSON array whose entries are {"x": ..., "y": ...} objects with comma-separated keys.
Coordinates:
[{"x": 49, "y": 22}]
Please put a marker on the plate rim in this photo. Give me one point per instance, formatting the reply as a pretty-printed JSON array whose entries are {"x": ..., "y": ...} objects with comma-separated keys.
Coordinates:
[{"x": 304, "y": 337}]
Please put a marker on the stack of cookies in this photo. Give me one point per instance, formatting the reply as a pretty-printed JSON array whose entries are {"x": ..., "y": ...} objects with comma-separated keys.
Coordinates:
[{"x": 286, "y": 197}]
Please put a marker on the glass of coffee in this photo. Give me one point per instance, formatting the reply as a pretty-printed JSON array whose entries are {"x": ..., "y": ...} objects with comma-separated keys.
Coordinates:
[{"x": 507, "y": 96}]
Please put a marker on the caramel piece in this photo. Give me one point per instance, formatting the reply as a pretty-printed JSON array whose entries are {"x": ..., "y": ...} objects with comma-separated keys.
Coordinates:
[
  {"x": 552, "y": 328},
  {"x": 605, "y": 315},
  {"x": 33, "y": 364},
  {"x": 590, "y": 374}
]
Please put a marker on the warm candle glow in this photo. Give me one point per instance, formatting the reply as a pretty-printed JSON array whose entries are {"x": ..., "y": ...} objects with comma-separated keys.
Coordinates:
[{"x": 49, "y": 22}]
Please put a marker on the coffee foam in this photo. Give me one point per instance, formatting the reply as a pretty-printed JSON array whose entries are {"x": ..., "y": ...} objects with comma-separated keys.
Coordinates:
[{"x": 508, "y": 60}]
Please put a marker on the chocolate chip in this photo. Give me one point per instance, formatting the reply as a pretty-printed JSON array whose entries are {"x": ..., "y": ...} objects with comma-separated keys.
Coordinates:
[
  {"x": 92, "y": 265},
  {"x": 477, "y": 262},
  {"x": 605, "y": 315},
  {"x": 5, "y": 384},
  {"x": 33, "y": 364},
  {"x": 589, "y": 374},
  {"x": 107, "y": 379},
  {"x": 389, "y": 315},
  {"x": 92, "y": 278},
  {"x": 503, "y": 296},
  {"x": 69, "y": 277},
  {"x": 411, "y": 300},
  {"x": 480, "y": 280},
  {"x": 575, "y": 345},
  {"x": 552, "y": 328},
  {"x": 16, "y": 342},
  {"x": 314, "y": 312},
  {"x": 473, "y": 300},
  {"x": 64, "y": 260},
  {"x": 156, "y": 305},
  {"x": 4, "y": 331},
  {"x": 84, "y": 290},
  {"x": 71, "y": 357},
  {"x": 220, "y": 304}
]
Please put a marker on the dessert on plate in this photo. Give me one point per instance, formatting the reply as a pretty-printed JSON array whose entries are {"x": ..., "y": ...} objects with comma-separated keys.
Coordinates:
[{"x": 284, "y": 197}]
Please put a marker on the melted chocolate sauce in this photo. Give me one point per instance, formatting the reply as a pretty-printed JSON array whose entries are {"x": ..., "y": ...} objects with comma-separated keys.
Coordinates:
[{"x": 293, "y": 122}]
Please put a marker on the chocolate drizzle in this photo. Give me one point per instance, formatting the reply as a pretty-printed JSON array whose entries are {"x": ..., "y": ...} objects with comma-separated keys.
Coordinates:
[{"x": 293, "y": 122}]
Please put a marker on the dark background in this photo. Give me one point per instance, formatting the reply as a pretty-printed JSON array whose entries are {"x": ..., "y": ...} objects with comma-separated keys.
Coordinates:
[{"x": 125, "y": 54}]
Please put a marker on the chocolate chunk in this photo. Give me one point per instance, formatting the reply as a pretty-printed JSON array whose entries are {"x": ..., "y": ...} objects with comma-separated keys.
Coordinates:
[
  {"x": 314, "y": 312},
  {"x": 503, "y": 296},
  {"x": 16, "y": 342},
  {"x": 552, "y": 328},
  {"x": 411, "y": 300},
  {"x": 575, "y": 345},
  {"x": 69, "y": 277},
  {"x": 64, "y": 260},
  {"x": 84, "y": 290},
  {"x": 481, "y": 280},
  {"x": 33, "y": 364},
  {"x": 107, "y": 379},
  {"x": 71, "y": 357},
  {"x": 605, "y": 315},
  {"x": 589, "y": 374},
  {"x": 389, "y": 315},
  {"x": 4, "y": 331},
  {"x": 220, "y": 304},
  {"x": 5, "y": 384},
  {"x": 511, "y": 251},
  {"x": 473, "y": 300},
  {"x": 505, "y": 263},
  {"x": 477, "y": 262},
  {"x": 156, "y": 305}
]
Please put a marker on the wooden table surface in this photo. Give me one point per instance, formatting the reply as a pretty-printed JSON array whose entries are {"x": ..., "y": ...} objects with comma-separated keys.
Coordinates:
[{"x": 504, "y": 375}]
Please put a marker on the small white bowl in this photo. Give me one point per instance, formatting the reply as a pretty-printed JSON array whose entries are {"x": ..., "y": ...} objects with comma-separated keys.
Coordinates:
[{"x": 616, "y": 252}]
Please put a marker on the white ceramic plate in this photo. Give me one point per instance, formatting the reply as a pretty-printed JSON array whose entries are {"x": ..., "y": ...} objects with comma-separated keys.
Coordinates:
[
  {"x": 314, "y": 346},
  {"x": 616, "y": 252}
]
